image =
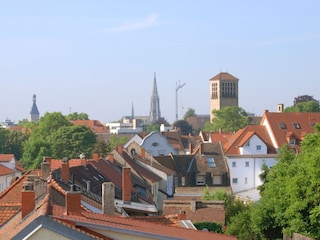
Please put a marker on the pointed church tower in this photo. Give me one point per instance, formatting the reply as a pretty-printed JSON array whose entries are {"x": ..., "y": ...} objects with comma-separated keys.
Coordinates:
[
  {"x": 155, "y": 103},
  {"x": 34, "y": 113}
]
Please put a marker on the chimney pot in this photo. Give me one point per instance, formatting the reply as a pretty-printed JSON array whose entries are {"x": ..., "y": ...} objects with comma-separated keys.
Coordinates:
[
  {"x": 126, "y": 184},
  {"x": 111, "y": 158},
  {"x": 27, "y": 199},
  {"x": 108, "y": 195},
  {"x": 120, "y": 149},
  {"x": 65, "y": 170}
]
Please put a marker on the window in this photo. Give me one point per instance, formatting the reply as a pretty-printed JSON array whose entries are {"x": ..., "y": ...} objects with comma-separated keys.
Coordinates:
[
  {"x": 201, "y": 180},
  {"x": 247, "y": 163},
  {"x": 155, "y": 144},
  {"x": 248, "y": 144},
  {"x": 292, "y": 141},
  {"x": 245, "y": 180},
  {"x": 234, "y": 180},
  {"x": 210, "y": 162},
  {"x": 258, "y": 147},
  {"x": 282, "y": 125},
  {"x": 233, "y": 164},
  {"x": 296, "y": 125}
]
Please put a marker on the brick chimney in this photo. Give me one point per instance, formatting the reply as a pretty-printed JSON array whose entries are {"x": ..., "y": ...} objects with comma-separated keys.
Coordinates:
[
  {"x": 27, "y": 198},
  {"x": 108, "y": 196},
  {"x": 111, "y": 158},
  {"x": 95, "y": 156},
  {"x": 120, "y": 149},
  {"x": 73, "y": 202},
  {"x": 65, "y": 169},
  {"x": 126, "y": 184},
  {"x": 143, "y": 152},
  {"x": 182, "y": 215}
]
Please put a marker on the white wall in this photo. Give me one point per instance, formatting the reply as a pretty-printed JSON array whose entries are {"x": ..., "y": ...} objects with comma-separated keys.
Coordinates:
[
  {"x": 157, "y": 144},
  {"x": 247, "y": 170}
]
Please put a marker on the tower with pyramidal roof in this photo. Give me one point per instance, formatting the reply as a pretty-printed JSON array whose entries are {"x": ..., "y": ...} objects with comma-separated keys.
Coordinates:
[{"x": 34, "y": 113}]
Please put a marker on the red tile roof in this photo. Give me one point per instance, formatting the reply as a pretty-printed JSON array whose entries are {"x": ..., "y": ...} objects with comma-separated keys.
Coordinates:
[
  {"x": 6, "y": 157},
  {"x": 95, "y": 125},
  {"x": 243, "y": 135},
  {"x": 141, "y": 228},
  {"x": 305, "y": 121},
  {"x": 5, "y": 170},
  {"x": 224, "y": 76}
]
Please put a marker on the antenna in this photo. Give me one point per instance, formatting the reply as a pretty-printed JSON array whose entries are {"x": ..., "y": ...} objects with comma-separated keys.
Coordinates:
[{"x": 178, "y": 86}]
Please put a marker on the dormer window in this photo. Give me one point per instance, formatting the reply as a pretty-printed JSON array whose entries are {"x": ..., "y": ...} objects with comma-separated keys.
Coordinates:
[
  {"x": 292, "y": 142},
  {"x": 247, "y": 143},
  {"x": 282, "y": 125},
  {"x": 210, "y": 162},
  {"x": 296, "y": 125}
]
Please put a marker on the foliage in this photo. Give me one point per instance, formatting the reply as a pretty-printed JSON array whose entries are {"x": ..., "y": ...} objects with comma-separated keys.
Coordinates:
[
  {"x": 56, "y": 137},
  {"x": 77, "y": 116},
  {"x": 189, "y": 113},
  {"x": 102, "y": 147},
  {"x": 114, "y": 141},
  {"x": 228, "y": 119},
  {"x": 310, "y": 106},
  {"x": 211, "y": 226},
  {"x": 11, "y": 141},
  {"x": 240, "y": 224},
  {"x": 184, "y": 126},
  {"x": 263, "y": 176}
]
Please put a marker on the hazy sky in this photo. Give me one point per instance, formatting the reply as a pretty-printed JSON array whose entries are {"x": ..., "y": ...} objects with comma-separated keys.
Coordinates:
[{"x": 99, "y": 57}]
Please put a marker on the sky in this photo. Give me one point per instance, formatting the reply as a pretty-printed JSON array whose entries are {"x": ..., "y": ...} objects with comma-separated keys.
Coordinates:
[{"x": 99, "y": 56}]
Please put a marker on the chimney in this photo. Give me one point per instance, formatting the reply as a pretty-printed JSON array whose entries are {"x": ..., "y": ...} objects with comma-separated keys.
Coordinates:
[
  {"x": 126, "y": 184},
  {"x": 88, "y": 186},
  {"x": 120, "y": 149},
  {"x": 95, "y": 156},
  {"x": 190, "y": 148},
  {"x": 73, "y": 202},
  {"x": 182, "y": 215},
  {"x": 45, "y": 170},
  {"x": 108, "y": 196},
  {"x": 111, "y": 158},
  {"x": 27, "y": 198},
  {"x": 143, "y": 152},
  {"x": 65, "y": 169},
  {"x": 47, "y": 159},
  {"x": 280, "y": 107}
]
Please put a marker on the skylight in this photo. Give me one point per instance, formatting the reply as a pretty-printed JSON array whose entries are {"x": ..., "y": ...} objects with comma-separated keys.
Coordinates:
[
  {"x": 282, "y": 125},
  {"x": 296, "y": 125},
  {"x": 210, "y": 162}
]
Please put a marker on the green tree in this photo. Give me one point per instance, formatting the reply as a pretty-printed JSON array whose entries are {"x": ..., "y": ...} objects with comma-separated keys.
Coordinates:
[
  {"x": 11, "y": 141},
  {"x": 189, "y": 113},
  {"x": 77, "y": 116},
  {"x": 102, "y": 147},
  {"x": 184, "y": 126},
  {"x": 310, "y": 106},
  {"x": 71, "y": 141},
  {"x": 228, "y": 119},
  {"x": 210, "y": 226},
  {"x": 114, "y": 141}
]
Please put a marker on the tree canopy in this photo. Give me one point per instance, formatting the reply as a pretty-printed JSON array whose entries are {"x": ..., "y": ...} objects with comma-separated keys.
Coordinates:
[
  {"x": 77, "y": 116},
  {"x": 11, "y": 141},
  {"x": 184, "y": 126},
  {"x": 310, "y": 106},
  {"x": 189, "y": 113},
  {"x": 228, "y": 119},
  {"x": 56, "y": 137}
]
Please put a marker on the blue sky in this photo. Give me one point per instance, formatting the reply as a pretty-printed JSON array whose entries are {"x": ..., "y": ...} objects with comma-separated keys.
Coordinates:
[{"x": 99, "y": 57}]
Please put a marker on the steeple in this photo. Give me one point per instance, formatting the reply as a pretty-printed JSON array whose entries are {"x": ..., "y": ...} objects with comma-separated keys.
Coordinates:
[
  {"x": 155, "y": 114},
  {"x": 34, "y": 113}
]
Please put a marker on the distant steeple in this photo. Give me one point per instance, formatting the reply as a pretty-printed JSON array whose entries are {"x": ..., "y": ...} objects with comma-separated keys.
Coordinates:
[
  {"x": 155, "y": 114},
  {"x": 132, "y": 112},
  {"x": 34, "y": 113}
]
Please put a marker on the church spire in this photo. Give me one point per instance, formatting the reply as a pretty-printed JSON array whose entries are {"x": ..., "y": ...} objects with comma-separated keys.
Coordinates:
[
  {"x": 34, "y": 113},
  {"x": 155, "y": 102}
]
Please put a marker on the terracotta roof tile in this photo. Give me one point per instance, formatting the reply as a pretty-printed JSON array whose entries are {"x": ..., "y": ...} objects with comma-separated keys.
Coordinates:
[
  {"x": 6, "y": 157},
  {"x": 224, "y": 76},
  {"x": 5, "y": 170}
]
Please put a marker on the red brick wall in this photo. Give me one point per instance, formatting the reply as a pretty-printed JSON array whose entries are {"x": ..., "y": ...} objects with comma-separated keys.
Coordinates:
[{"x": 73, "y": 202}]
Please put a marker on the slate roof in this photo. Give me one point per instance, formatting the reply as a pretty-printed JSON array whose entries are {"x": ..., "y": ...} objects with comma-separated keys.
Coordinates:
[{"x": 224, "y": 76}]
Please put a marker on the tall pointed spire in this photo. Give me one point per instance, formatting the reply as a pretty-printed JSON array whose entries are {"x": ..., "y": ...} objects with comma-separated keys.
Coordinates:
[
  {"x": 132, "y": 112},
  {"x": 155, "y": 114},
  {"x": 34, "y": 113}
]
